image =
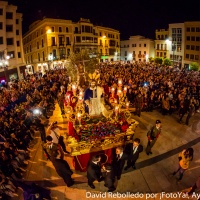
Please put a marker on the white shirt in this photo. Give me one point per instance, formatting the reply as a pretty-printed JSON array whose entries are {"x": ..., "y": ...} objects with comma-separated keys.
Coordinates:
[
  {"x": 135, "y": 149},
  {"x": 53, "y": 135}
]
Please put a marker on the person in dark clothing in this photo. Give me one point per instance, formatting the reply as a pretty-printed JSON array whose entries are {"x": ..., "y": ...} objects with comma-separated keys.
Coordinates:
[
  {"x": 109, "y": 177},
  {"x": 191, "y": 112},
  {"x": 94, "y": 171},
  {"x": 152, "y": 136},
  {"x": 133, "y": 151},
  {"x": 118, "y": 162},
  {"x": 63, "y": 170},
  {"x": 138, "y": 103},
  {"x": 182, "y": 111}
]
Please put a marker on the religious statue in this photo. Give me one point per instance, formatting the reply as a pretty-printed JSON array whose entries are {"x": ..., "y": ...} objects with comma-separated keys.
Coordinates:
[{"x": 94, "y": 97}]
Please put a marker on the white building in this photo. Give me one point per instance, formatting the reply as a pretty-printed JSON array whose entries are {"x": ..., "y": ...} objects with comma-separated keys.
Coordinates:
[
  {"x": 12, "y": 63},
  {"x": 137, "y": 48},
  {"x": 177, "y": 43}
]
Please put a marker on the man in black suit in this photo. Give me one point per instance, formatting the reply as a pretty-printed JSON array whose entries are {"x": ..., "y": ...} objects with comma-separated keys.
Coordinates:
[
  {"x": 109, "y": 177},
  {"x": 133, "y": 151},
  {"x": 94, "y": 171},
  {"x": 118, "y": 162},
  {"x": 63, "y": 170}
]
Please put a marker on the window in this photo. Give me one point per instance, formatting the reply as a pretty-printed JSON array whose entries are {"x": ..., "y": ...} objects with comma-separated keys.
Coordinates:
[
  {"x": 197, "y": 29},
  {"x": 78, "y": 39},
  {"x": 17, "y": 32},
  {"x": 197, "y": 48},
  {"x": 145, "y": 45},
  {"x": 188, "y": 47},
  {"x": 1, "y": 11},
  {"x": 52, "y": 29},
  {"x": 132, "y": 45},
  {"x": 1, "y": 25},
  {"x": 9, "y": 28},
  {"x": 38, "y": 57},
  {"x": 100, "y": 34},
  {"x": 145, "y": 52},
  {"x": 43, "y": 56},
  {"x": 41, "y": 31},
  {"x": 192, "y": 47},
  {"x": 68, "y": 52},
  {"x": 17, "y": 21},
  {"x": 9, "y": 15},
  {"x": 139, "y": 45},
  {"x": 53, "y": 41},
  {"x": 60, "y": 29},
  {"x": 9, "y": 41},
  {"x": 188, "y": 29},
  {"x": 192, "y": 29},
  {"x": 192, "y": 38},
  {"x": 67, "y": 29},
  {"x": 30, "y": 48},
  {"x": 42, "y": 43},
  {"x": 125, "y": 53},
  {"x": 187, "y": 56},
  {"x": 196, "y": 57},
  {"x": 139, "y": 52},
  {"x": 67, "y": 40},
  {"x": 1, "y": 40},
  {"x": 38, "y": 45},
  {"x": 36, "y": 34},
  {"x": 19, "y": 54},
  {"x": 197, "y": 38},
  {"x": 18, "y": 43},
  {"x": 191, "y": 56},
  {"x": 188, "y": 38}
]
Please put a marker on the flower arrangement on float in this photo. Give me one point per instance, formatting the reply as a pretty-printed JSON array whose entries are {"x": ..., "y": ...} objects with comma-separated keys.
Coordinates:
[{"x": 91, "y": 132}]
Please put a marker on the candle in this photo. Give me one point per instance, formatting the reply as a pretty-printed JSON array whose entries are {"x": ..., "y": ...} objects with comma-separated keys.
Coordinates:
[
  {"x": 116, "y": 110},
  {"x": 81, "y": 93},
  {"x": 120, "y": 82},
  {"x": 74, "y": 88},
  {"x": 127, "y": 105},
  {"x": 79, "y": 118}
]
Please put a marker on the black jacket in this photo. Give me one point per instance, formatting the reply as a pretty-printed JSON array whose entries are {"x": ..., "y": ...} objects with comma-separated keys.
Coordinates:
[
  {"x": 129, "y": 151},
  {"x": 118, "y": 165},
  {"x": 93, "y": 171}
]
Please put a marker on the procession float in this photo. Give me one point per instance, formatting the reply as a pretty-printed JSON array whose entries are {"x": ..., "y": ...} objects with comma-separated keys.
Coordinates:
[{"x": 97, "y": 123}]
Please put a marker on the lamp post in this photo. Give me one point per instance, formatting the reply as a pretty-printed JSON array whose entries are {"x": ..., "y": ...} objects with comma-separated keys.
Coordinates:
[{"x": 4, "y": 64}]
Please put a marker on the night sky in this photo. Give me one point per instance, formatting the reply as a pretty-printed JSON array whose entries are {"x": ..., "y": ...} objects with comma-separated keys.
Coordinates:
[{"x": 130, "y": 17}]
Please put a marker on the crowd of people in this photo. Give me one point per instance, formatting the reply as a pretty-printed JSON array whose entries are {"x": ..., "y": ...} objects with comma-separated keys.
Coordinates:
[{"x": 27, "y": 104}]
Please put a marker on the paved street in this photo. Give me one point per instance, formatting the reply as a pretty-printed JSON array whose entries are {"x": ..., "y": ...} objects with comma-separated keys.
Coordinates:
[{"x": 152, "y": 175}]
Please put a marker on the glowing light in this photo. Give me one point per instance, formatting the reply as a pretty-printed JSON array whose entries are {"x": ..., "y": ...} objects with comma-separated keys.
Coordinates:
[{"x": 49, "y": 31}]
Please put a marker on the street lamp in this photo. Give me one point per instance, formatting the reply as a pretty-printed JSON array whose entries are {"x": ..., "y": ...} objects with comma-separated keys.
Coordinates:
[{"x": 4, "y": 64}]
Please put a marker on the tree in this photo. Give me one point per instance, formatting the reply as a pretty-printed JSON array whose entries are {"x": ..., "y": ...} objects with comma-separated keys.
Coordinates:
[
  {"x": 194, "y": 66},
  {"x": 158, "y": 60},
  {"x": 86, "y": 58},
  {"x": 167, "y": 62},
  {"x": 151, "y": 59}
]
